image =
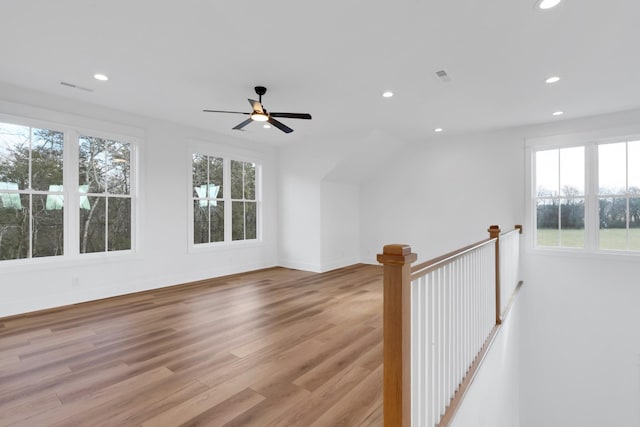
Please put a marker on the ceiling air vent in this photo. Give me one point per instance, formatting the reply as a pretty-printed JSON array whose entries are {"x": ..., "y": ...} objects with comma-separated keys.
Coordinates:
[
  {"x": 443, "y": 76},
  {"x": 71, "y": 85}
]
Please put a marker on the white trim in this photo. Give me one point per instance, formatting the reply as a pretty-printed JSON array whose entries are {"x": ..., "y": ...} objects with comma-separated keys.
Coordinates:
[
  {"x": 591, "y": 141},
  {"x": 73, "y": 126},
  {"x": 31, "y": 114},
  {"x": 339, "y": 263},
  {"x": 227, "y": 153},
  {"x": 305, "y": 266}
]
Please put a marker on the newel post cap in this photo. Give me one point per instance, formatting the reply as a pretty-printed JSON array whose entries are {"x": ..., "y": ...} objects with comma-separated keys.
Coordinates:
[
  {"x": 397, "y": 254},
  {"x": 494, "y": 231}
]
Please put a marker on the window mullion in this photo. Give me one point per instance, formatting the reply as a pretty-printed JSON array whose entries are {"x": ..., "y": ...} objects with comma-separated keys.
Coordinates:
[
  {"x": 71, "y": 193},
  {"x": 207, "y": 194},
  {"x": 257, "y": 196},
  {"x": 30, "y": 193},
  {"x": 106, "y": 223},
  {"x": 626, "y": 177},
  {"x": 244, "y": 204},
  {"x": 226, "y": 171},
  {"x": 592, "y": 204}
]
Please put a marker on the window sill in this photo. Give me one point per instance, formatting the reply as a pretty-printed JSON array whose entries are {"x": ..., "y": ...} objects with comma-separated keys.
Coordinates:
[
  {"x": 225, "y": 246},
  {"x": 67, "y": 261},
  {"x": 624, "y": 256}
]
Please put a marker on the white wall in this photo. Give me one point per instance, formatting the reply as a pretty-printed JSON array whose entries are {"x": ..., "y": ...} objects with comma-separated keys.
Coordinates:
[
  {"x": 163, "y": 257},
  {"x": 319, "y": 223},
  {"x": 493, "y": 399},
  {"x": 340, "y": 233},
  {"x": 581, "y": 342},
  {"x": 299, "y": 239},
  {"x": 443, "y": 194},
  {"x": 320, "y": 197}
]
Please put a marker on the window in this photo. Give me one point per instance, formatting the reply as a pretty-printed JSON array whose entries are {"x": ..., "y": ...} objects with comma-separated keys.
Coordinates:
[
  {"x": 243, "y": 200},
  {"x": 588, "y": 196},
  {"x": 31, "y": 197},
  {"x": 223, "y": 192},
  {"x": 208, "y": 202},
  {"x": 619, "y": 195},
  {"x": 104, "y": 169},
  {"x": 560, "y": 198},
  {"x": 46, "y": 176}
]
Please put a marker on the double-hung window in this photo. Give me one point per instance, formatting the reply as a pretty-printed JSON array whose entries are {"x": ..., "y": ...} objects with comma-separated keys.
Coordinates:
[
  {"x": 560, "y": 197},
  {"x": 31, "y": 192},
  {"x": 587, "y": 196},
  {"x": 619, "y": 195},
  {"x": 105, "y": 194},
  {"x": 225, "y": 199},
  {"x": 63, "y": 192},
  {"x": 243, "y": 200},
  {"x": 208, "y": 199}
]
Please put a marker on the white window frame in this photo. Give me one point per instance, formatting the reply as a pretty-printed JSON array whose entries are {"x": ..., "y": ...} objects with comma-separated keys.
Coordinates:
[
  {"x": 208, "y": 149},
  {"x": 73, "y": 127},
  {"x": 134, "y": 143},
  {"x": 590, "y": 141},
  {"x": 243, "y": 200},
  {"x": 30, "y": 192}
]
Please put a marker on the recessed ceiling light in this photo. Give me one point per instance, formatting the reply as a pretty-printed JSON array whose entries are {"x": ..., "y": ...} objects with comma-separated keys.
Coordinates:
[
  {"x": 547, "y": 4},
  {"x": 387, "y": 94},
  {"x": 267, "y": 126},
  {"x": 100, "y": 77},
  {"x": 558, "y": 113},
  {"x": 552, "y": 79},
  {"x": 438, "y": 130}
]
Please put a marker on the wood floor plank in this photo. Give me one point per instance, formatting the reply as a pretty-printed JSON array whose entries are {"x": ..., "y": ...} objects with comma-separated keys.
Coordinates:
[
  {"x": 149, "y": 402},
  {"x": 278, "y": 401},
  {"x": 303, "y": 413},
  {"x": 344, "y": 357},
  {"x": 30, "y": 405},
  {"x": 276, "y": 347},
  {"x": 288, "y": 334},
  {"x": 227, "y": 410},
  {"x": 110, "y": 398},
  {"x": 201, "y": 404},
  {"x": 356, "y": 406}
]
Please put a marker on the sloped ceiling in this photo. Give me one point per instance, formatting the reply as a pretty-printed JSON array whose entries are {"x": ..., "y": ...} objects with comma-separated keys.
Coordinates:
[{"x": 333, "y": 59}]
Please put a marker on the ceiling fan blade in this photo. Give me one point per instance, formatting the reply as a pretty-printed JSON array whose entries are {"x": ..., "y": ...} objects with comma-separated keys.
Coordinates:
[
  {"x": 292, "y": 115},
  {"x": 243, "y": 124},
  {"x": 220, "y": 111},
  {"x": 284, "y": 128},
  {"x": 256, "y": 106}
]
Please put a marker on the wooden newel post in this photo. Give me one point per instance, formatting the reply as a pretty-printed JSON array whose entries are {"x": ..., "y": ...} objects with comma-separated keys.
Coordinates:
[
  {"x": 397, "y": 261},
  {"x": 494, "y": 233}
]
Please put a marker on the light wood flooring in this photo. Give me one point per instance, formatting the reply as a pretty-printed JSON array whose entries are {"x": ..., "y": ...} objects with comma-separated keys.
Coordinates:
[{"x": 277, "y": 347}]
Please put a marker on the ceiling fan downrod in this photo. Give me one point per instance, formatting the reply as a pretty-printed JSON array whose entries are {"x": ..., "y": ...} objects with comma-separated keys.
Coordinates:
[{"x": 260, "y": 90}]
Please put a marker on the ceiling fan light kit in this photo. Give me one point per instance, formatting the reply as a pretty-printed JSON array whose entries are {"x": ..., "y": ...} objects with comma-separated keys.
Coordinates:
[
  {"x": 260, "y": 114},
  {"x": 259, "y": 117}
]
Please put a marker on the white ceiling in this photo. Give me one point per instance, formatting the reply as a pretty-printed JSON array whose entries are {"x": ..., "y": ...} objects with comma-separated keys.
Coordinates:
[{"x": 333, "y": 59}]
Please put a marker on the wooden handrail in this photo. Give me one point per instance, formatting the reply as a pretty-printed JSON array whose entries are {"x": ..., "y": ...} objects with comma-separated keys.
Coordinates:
[
  {"x": 397, "y": 261},
  {"x": 426, "y": 267},
  {"x": 515, "y": 230}
]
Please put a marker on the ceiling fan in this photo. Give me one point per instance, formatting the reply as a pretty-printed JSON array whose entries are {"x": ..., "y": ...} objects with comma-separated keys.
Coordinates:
[{"x": 260, "y": 114}]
